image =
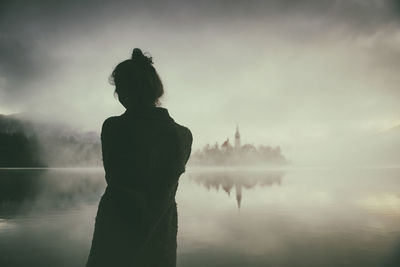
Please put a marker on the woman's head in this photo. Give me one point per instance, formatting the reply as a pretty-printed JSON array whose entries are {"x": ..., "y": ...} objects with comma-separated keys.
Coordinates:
[{"x": 137, "y": 82}]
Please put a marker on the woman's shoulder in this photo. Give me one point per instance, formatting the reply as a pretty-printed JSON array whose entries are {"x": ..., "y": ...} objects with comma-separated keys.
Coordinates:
[
  {"x": 109, "y": 124},
  {"x": 184, "y": 132},
  {"x": 110, "y": 121}
]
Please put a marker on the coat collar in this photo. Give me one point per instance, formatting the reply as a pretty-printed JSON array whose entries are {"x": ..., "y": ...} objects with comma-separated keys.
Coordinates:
[{"x": 157, "y": 113}]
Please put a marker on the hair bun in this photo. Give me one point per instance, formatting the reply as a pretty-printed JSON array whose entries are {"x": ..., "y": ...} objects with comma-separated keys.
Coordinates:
[
  {"x": 137, "y": 53},
  {"x": 138, "y": 56}
]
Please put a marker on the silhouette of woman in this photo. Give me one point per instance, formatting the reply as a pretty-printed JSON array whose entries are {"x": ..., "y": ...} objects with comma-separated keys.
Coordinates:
[{"x": 144, "y": 153}]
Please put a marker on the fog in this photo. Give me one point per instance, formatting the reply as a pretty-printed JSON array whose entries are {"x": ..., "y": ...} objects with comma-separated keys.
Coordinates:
[{"x": 318, "y": 78}]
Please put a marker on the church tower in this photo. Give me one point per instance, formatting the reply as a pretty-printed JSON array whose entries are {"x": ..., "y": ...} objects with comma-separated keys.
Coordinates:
[{"x": 237, "y": 138}]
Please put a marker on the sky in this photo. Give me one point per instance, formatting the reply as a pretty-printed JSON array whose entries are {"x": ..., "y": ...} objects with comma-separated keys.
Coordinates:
[{"x": 313, "y": 76}]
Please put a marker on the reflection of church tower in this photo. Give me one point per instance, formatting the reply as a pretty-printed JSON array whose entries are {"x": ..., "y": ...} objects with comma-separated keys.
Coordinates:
[
  {"x": 238, "y": 194},
  {"x": 237, "y": 138}
]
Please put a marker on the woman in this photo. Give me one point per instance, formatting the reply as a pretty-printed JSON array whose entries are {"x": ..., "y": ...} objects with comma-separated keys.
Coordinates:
[{"x": 144, "y": 153}]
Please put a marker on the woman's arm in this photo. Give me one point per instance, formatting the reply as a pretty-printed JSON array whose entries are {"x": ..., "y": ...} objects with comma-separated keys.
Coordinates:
[
  {"x": 189, "y": 144},
  {"x": 110, "y": 147}
]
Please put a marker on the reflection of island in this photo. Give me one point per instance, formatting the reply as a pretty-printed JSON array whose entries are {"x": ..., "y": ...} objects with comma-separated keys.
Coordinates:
[
  {"x": 239, "y": 180},
  {"x": 237, "y": 154}
]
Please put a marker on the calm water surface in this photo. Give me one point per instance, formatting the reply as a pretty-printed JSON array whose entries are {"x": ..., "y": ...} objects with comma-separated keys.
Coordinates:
[{"x": 227, "y": 217}]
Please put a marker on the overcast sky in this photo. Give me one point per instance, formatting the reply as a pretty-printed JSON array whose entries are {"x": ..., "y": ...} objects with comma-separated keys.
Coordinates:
[{"x": 300, "y": 74}]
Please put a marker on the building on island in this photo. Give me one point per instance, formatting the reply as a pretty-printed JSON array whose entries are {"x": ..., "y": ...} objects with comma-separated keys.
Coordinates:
[{"x": 237, "y": 154}]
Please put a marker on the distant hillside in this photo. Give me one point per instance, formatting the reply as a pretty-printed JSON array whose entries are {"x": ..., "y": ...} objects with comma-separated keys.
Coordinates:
[
  {"x": 386, "y": 146},
  {"x": 394, "y": 129},
  {"x": 26, "y": 142}
]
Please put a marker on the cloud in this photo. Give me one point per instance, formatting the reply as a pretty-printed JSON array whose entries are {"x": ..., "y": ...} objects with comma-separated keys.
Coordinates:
[{"x": 31, "y": 31}]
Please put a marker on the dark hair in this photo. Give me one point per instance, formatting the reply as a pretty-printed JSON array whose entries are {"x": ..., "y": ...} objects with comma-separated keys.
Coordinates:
[{"x": 136, "y": 81}]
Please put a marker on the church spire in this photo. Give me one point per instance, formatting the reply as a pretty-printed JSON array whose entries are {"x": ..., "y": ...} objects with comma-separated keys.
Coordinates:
[{"x": 237, "y": 137}]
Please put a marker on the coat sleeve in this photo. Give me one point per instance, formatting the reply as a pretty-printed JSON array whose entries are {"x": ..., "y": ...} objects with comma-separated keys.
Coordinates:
[
  {"x": 109, "y": 147},
  {"x": 189, "y": 144},
  {"x": 105, "y": 143}
]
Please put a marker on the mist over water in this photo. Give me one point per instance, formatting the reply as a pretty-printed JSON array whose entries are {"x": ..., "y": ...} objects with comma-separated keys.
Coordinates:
[{"x": 292, "y": 217}]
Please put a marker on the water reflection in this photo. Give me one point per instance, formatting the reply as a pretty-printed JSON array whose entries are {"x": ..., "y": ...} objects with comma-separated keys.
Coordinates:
[
  {"x": 46, "y": 214},
  {"x": 227, "y": 180},
  {"x": 44, "y": 189},
  {"x": 297, "y": 218}
]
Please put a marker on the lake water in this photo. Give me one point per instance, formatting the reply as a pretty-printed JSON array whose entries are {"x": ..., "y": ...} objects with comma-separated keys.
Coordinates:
[{"x": 227, "y": 217}]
